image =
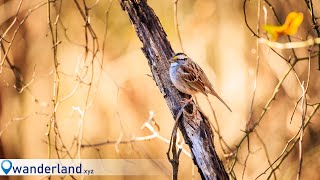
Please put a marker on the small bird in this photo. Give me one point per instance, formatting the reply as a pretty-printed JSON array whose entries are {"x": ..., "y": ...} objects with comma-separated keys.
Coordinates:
[{"x": 188, "y": 77}]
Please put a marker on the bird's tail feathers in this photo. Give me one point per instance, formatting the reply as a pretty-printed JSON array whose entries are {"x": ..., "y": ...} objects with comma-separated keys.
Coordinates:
[{"x": 216, "y": 95}]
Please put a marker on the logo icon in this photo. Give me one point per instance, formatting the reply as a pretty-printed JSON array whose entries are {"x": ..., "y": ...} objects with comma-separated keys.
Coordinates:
[{"x": 6, "y": 166}]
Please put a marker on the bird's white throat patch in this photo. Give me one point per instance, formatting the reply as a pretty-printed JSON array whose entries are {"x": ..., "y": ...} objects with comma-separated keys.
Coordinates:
[{"x": 174, "y": 64}]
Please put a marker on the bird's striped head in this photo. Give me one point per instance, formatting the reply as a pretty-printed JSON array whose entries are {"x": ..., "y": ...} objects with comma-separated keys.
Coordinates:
[{"x": 178, "y": 57}]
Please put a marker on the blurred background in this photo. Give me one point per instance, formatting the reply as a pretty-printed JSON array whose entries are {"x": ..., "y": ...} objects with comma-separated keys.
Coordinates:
[{"x": 71, "y": 90}]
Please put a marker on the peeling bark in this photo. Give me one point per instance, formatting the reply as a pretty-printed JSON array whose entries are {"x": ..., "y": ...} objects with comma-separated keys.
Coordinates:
[{"x": 194, "y": 126}]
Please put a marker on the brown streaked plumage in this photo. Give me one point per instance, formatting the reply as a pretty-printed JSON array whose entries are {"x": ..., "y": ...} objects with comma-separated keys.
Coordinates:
[{"x": 188, "y": 77}]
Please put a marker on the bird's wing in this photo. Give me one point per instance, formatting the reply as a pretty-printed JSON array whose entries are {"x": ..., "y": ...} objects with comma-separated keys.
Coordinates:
[
  {"x": 190, "y": 75},
  {"x": 208, "y": 88}
]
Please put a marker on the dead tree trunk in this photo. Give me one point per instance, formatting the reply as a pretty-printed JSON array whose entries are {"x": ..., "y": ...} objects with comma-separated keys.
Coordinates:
[{"x": 194, "y": 126}]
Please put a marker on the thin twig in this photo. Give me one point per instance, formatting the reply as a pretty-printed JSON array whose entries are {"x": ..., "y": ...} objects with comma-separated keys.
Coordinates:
[
  {"x": 290, "y": 144},
  {"x": 266, "y": 152},
  {"x": 176, "y": 22}
]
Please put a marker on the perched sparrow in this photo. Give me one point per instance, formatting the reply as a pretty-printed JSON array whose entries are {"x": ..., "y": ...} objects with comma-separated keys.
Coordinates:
[{"x": 188, "y": 77}]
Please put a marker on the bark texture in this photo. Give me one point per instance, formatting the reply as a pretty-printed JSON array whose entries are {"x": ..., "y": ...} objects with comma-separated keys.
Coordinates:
[{"x": 194, "y": 126}]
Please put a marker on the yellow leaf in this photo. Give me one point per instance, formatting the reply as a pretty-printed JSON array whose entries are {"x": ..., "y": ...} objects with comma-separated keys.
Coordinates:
[{"x": 290, "y": 27}]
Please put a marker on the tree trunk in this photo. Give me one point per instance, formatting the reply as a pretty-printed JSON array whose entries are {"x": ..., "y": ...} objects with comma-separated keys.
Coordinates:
[{"x": 194, "y": 126}]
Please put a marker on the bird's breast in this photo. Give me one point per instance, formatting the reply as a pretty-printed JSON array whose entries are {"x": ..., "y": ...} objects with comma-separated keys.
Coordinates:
[{"x": 178, "y": 81}]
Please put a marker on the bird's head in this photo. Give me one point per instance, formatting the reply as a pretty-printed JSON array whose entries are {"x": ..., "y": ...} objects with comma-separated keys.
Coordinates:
[{"x": 178, "y": 57}]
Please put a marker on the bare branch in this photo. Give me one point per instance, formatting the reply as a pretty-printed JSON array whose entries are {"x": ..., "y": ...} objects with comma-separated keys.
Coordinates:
[{"x": 195, "y": 127}]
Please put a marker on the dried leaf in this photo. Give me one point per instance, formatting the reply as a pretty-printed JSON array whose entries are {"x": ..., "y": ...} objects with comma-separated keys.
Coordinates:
[{"x": 290, "y": 27}]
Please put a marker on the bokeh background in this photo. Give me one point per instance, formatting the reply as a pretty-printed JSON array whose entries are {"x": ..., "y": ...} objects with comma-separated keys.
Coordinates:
[{"x": 107, "y": 97}]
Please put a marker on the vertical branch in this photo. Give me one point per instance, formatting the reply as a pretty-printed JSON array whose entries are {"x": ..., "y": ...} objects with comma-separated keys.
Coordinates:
[
  {"x": 56, "y": 82},
  {"x": 247, "y": 157},
  {"x": 88, "y": 71},
  {"x": 303, "y": 109},
  {"x": 53, "y": 28},
  {"x": 175, "y": 154},
  {"x": 194, "y": 126},
  {"x": 303, "y": 116},
  {"x": 257, "y": 64},
  {"x": 315, "y": 24},
  {"x": 176, "y": 22}
]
